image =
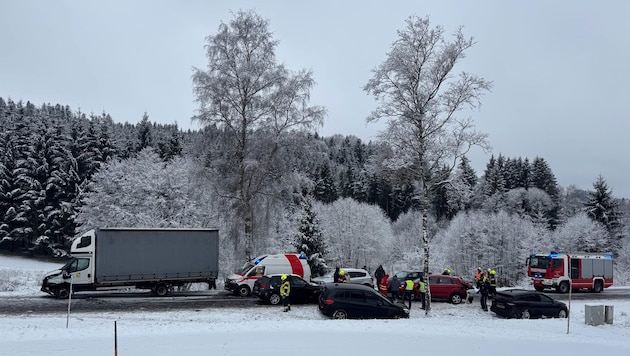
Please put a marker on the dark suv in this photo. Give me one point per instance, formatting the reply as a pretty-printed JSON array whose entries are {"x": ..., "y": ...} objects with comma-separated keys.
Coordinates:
[
  {"x": 267, "y": 288},
  {"x": 345, "y": 300},
  {"x": 526, "y": 304}
]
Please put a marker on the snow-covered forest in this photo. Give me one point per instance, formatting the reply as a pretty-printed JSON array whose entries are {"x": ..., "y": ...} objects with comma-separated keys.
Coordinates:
[{"x": 262, "y": 176}]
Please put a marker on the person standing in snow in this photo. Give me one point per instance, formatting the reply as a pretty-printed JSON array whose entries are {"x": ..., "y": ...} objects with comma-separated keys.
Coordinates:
[
  {"x": 409, "y": 291},
  {"x": 394, "y": 287},
  {"x": 285, "y": 292},
  {"x": 483, "y": 289},
  {"x": 379, "y": 273},
  {"x": 336, "y": 275},
  {"x": 382, "y": 284},
  {"x": 492, "y": 284}
]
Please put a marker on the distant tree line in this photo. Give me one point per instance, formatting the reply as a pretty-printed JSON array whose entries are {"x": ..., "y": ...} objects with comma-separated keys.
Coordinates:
[{"x": 50, "y": 155}]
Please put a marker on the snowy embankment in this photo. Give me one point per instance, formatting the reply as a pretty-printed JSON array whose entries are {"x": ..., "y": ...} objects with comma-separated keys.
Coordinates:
[{"x": 450, "y": 330}]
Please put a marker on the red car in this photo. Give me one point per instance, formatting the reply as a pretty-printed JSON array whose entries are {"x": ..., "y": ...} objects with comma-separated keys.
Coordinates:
[{"x": 449, "y": 288}]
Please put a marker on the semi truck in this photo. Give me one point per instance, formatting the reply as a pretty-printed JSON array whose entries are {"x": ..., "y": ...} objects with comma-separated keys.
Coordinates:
[
  {"x": 564, "y": 272},
  {"x": 155, "y": 259}
]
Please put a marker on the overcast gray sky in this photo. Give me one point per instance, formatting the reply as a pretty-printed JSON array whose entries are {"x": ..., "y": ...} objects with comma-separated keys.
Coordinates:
[{"x": 561, "y": 85}]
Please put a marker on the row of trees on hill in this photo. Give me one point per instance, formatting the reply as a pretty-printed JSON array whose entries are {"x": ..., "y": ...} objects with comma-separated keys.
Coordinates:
[{"x": 257, "y": 173}]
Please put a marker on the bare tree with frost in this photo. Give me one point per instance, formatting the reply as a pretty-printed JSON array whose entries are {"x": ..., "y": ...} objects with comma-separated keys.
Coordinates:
[
  {"x": 255, "y": 102},
  {"x": 421, "y": 98}
]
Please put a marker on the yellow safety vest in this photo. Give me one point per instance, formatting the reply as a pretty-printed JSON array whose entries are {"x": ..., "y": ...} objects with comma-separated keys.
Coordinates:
[{"x": 409, "y": 284}]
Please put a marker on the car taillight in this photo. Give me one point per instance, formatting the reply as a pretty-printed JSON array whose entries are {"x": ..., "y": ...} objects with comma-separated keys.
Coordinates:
[
  {"x": 328, "y": 301},
  {"x": 263, "y": 286}
]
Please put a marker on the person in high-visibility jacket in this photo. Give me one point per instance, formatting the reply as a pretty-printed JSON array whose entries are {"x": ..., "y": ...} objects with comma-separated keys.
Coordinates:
[
  {"x": 408, "y": 291},
  {"x": 422, "y": 292},
  {"x": 478, "y": 277},
  {"x": 492, "y": 281},
  {"x": 285, "y": 292}
]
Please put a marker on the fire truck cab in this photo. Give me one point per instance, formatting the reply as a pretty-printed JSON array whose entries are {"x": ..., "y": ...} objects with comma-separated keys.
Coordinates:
[{"x": 592, "y": 271}]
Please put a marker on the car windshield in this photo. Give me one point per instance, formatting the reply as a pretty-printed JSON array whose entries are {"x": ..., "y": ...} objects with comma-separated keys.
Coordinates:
[
  {"x": 539, "y": 262},
  {"x": 402, "y": 275}
]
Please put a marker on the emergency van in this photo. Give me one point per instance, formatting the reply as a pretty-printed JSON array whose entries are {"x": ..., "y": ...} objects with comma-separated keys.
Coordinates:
[{"x": 242, "y": 282}]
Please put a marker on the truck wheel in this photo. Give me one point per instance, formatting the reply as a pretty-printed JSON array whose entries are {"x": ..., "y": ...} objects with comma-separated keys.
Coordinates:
[
  {"x": 243, "y": 290},
  {"x": 563, "y": 287},
  {"x": 598, "y": 287},
  {"x": 62, "y": 292},
  {"x": 161, "y": 289},
  {"x": 274, "y": 299}
]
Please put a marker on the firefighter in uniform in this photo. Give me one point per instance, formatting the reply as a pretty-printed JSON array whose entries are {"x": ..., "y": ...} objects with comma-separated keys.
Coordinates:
[
  {"x": 422, "y": 291},
  {"x": 492, "y": 284},
  {"x": 285, "y": 292}
]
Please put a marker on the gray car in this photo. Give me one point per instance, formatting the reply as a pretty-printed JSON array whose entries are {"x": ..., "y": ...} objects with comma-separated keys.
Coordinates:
[{"x": 357, "y": 276}]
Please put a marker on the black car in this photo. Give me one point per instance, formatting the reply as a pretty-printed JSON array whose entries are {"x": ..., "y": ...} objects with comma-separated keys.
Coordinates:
[
  {"x": 526, "y": 304},
  {"x": 346, "y": 300},
  {"x": 267, "y": 288}
]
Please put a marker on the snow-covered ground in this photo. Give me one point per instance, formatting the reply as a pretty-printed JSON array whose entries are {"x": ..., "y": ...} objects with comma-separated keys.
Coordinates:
[{"x": 449, "y": 330}]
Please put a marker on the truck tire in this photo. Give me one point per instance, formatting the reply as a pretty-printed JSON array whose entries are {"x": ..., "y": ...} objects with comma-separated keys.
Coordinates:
[
  {"x": 161, "y": 289},
  {"x": 62, "y": 292},
  {"x": 598, "y": 287},
  {"x": 563, "y": 287}
]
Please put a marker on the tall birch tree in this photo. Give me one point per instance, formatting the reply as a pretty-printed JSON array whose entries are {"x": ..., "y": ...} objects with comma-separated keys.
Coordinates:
[
  {"x": 255, "y": 102},
  {"x": 421, "y": 98}
]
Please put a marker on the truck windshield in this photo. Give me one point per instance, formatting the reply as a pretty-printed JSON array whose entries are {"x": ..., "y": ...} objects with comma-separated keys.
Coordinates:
[{"x": 539, "y": 262}]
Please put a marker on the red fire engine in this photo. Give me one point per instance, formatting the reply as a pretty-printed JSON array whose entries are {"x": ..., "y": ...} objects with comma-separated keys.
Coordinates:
[{"x": 561, "y": 271}]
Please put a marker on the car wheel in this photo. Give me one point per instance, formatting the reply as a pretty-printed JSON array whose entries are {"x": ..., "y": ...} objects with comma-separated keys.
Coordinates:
[
  {"x": 525, "y": 314},
  {"x": 563, "y": 287},
  {"x": 598, "y": 287},
  {"x": 562, "y": 313},
  {"x": 243, "y": 290},
  {"x": 396, "y": 316},
  {"x": 456, "y": 298},
  {"x": 340, "y": 314},
  {"x": 274, "y": 299}
]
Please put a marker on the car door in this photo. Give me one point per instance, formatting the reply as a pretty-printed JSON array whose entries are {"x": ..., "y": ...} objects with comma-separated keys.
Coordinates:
[
  {"x": 437, "y": 288},
  {"x": 375, "y": 306},
  {"x": 547, "y": 307},
  {"x": 533, "y": 303},
  {"x": 298, "y": 290}
]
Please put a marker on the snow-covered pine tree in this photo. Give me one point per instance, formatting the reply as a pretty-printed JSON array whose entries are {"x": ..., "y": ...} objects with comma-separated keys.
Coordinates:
[{"x": 309, "y": 239}]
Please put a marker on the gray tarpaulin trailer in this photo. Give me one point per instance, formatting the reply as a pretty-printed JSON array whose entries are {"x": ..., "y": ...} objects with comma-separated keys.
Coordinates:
[{"x": 156, "y": 259}]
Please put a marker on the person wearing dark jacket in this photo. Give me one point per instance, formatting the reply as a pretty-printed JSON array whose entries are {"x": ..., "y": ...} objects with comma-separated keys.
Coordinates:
[
  {"x": 336, "y": 275},
  {"x": 484, "y": 288},
  {"x": 379, "y": 273},
  {"x": 394, "y": 288}
]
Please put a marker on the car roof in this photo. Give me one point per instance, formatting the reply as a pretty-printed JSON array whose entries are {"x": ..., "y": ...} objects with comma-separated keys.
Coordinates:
[{"x": 348, "y": 286}]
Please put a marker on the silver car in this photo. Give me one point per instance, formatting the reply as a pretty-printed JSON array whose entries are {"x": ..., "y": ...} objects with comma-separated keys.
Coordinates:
[{"x": 357, "y": 276}]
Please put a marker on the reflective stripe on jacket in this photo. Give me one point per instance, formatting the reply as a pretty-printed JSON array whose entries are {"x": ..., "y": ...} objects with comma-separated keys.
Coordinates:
[{"x": 285, "y": 288}]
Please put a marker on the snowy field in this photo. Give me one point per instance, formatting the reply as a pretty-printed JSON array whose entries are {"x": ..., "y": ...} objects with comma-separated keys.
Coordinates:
[{"x": 449, "y": 330}]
